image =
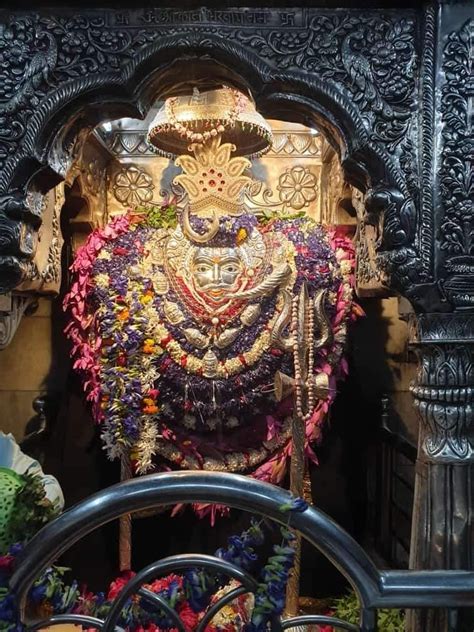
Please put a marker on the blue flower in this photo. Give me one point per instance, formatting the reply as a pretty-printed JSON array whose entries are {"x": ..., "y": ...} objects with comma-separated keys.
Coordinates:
[
  {"x": 271, "y": 594},
  {"x": 297, "y": 505},
  {"x": 276, "y": 594},
  {"x": 198, "y": 588},
  {"x": 15, "y": 549},
  {"x": 130, "y": 427},
  {"x": 239, "y": 552},
  {"x": 38, "y": 593},
  {"x": 8, "y": 611}
]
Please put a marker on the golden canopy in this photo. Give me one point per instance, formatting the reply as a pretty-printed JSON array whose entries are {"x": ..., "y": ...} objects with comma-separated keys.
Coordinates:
[{"x": 195, "y": 118}]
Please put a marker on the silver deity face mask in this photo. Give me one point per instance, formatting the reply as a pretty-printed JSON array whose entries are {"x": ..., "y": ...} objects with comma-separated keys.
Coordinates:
[{"x": 216, "y": 271}]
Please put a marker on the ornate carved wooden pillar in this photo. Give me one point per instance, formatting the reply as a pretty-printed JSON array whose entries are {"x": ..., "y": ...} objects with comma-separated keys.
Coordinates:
[{"x": 443, "y": 517}]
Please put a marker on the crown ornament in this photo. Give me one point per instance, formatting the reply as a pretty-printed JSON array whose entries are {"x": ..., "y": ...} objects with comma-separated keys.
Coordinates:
[
  {"x": 207, "y": 128},
  {"x": 215, "y": 185},
  {"x": 212, "y": 179}
]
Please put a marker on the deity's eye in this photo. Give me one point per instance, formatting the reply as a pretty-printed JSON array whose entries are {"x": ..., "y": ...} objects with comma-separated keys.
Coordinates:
[
  {"x": 202, "y": 268},
  {"x": 231, "y": 268}
]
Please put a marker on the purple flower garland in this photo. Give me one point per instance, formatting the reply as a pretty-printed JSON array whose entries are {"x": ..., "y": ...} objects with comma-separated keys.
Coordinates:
[{"x": 141, "y": 396}]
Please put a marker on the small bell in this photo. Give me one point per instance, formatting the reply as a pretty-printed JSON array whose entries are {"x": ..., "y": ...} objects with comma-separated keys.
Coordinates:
[{"x": 284, "y": 385}]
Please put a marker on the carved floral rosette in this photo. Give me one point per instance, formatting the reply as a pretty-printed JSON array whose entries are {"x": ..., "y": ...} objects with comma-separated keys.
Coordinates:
[{"x": 161, "y": 397}]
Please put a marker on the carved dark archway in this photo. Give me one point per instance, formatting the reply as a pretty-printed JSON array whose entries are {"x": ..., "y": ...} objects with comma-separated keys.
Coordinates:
[
  {"x": 390, "y": 88},
  {"x": 292, "y": 80}
]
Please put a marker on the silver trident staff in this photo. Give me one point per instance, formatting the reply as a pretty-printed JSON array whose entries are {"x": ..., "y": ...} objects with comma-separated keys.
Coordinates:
[{"x": 307, "y": 315}]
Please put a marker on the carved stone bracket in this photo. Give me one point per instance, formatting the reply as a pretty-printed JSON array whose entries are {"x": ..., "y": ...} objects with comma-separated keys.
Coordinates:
[
  {"x": 12, "y": 309},
  {"x": 444, "y": 389},
  {"x": 392, "y": 214}
]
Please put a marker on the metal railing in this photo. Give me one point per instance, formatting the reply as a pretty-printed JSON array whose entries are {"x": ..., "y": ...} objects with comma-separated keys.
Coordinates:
[{"x": 375, "y": 588}]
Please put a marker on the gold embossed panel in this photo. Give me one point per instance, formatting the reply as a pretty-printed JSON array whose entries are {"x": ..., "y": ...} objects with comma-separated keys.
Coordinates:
[
  {"x": 291, "y": 171},
  {"x": 289, "y": 174}
]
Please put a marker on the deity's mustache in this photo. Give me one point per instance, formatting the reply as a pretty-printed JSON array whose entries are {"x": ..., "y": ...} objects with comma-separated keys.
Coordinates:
[
  {"x": 276, "y": 279},
  {"x": 222, "y": 289},
  {"x": 217, "y": 291}
]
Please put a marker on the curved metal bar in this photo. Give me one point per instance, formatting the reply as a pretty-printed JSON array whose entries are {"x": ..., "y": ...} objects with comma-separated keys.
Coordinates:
[
  {"x": 158, "y": 601},
  {"x": 418, "y": 589},
  {"x": 368, "y": 620},
  {"x": 220, "y": 603},
  {"x": 167, "y": 488},
  {"x": 175, "y": 563},
  {"x": 315, "y": 619},
  {"x": 76, "y": 619}
]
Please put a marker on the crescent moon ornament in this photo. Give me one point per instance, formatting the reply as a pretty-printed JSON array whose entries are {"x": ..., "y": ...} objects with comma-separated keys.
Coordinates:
[{"x": 194, "y": 235}]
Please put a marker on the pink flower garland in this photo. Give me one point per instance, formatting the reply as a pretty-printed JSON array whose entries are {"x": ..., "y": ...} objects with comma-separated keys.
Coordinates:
[
  {"x": 86, "y": 348},
  {"x": 87, "y": 344}
]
